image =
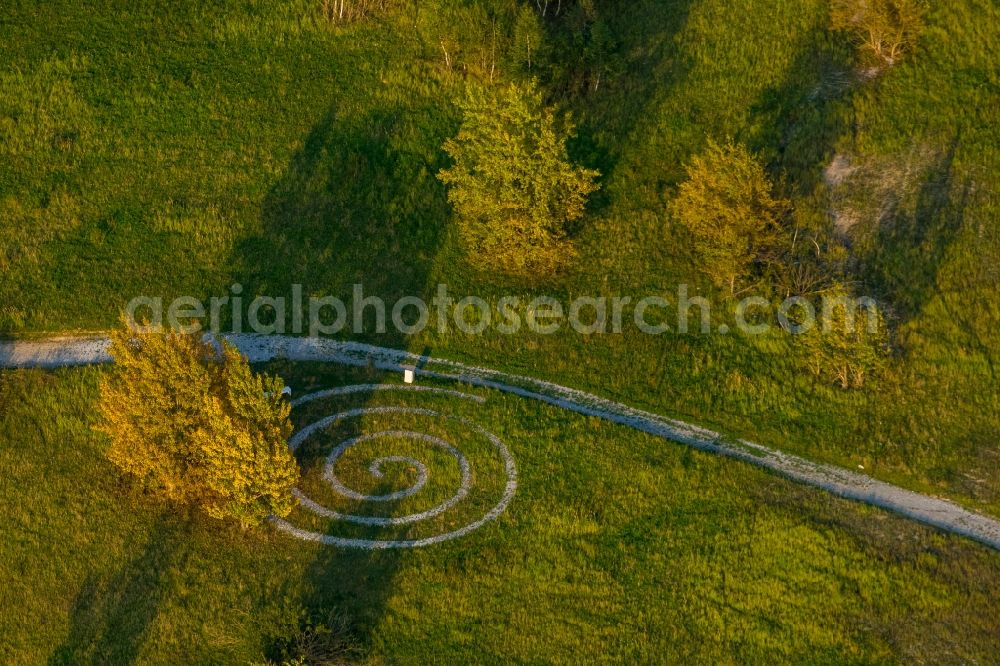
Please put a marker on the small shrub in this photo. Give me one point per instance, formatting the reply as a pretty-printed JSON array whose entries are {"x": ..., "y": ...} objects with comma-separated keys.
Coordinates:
[
  {"x": 884, "y": 29},
  {"x": 317, "y": 643},
  {"x": 850, "y": 344}
]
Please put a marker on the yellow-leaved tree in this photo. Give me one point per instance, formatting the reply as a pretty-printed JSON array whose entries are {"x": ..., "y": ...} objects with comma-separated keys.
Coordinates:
[
  {"x": 728, "y": 205},
  {"x": 198, "y": 426},
  {"x": 885, "y": 30}
]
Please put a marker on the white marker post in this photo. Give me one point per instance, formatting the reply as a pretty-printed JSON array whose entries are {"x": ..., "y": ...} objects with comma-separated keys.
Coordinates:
[{"x": 408, "y": 373}]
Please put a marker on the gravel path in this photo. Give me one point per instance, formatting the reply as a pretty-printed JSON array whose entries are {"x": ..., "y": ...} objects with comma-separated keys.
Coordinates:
[{"x": 939, "y": 513}]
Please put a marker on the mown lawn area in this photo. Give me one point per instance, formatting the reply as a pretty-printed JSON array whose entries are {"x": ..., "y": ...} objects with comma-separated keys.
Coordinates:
[{"x": 180, "y": 148}]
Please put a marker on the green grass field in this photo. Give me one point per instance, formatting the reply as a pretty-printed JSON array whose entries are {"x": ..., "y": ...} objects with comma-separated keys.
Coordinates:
[
  {"x": 261, "y": 146},
  {"x": 179, "y": 148},
  {"x": 617, "y": 546}
]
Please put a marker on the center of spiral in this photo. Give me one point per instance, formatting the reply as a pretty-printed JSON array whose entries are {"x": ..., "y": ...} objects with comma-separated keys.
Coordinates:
[{"x": 376, "y": 470}]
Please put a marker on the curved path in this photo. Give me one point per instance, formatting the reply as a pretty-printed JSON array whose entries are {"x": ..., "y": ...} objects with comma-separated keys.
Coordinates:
[{"x": 932, "y": 511}]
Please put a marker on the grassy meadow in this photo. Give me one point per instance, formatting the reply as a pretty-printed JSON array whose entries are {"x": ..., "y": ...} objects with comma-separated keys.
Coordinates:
[
  {"x": 616, "y": 547},
  {"x": 179, "y": 152},
  {"x": 180, "y": 148}
]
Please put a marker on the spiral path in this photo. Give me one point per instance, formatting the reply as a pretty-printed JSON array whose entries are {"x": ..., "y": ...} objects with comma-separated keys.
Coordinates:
[
  {"x": 375, "y": 468},
  {"x": 933, "y": 511}
]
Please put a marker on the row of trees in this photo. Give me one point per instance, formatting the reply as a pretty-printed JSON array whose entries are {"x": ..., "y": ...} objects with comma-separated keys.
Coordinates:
[
  {"x": 517, "y": 195},
  {"x": 487, "y": 38}
]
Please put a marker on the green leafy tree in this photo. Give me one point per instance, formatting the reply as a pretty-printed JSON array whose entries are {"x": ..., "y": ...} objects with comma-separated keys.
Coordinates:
[
  {"x": 243, "y": 445},
  {"x": 728, "y": 206},
  {"x": 884, "y": 29},
  {"x": 513, "y": 187},
  {"x": 528, "y": 37},
  {"x": 851, "y": 341},
  {"x": 198, "y": 427}
]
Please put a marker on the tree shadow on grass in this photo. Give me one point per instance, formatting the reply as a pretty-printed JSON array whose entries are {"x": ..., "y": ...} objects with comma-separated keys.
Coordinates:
[
  {"x": 616, "y": 61},
  {"x": 344, "y": 590},
  {"x": 346, "y": 593},
  {"x": 908, "y": 244},
  {"x": 359, "y": 204},
  {"x": 900, "y": 214},
  {"x": 798, "y": 123},
  {"x": 112, "y": 615},
  {"x": 344, "y": 596}
]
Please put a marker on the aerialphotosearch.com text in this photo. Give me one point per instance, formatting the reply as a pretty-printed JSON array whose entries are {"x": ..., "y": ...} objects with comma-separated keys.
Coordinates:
[{"x": 362, "y": 313}]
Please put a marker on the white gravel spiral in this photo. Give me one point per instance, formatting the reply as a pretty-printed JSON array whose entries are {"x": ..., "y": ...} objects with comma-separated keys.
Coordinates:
[{"x": 375, "y": 468}]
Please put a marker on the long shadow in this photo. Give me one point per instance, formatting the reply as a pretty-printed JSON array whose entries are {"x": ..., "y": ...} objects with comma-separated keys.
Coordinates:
[
  {"x": 611, "y": 63},
  {"x": 909, "y": 244},
  {"x": 346, "y": 590},
  {"x": 112, "y": 616},
  {"x": 799, "y": 122},
  {"x": 359, "y": 204},
  {"x": 800, "y": 125}
]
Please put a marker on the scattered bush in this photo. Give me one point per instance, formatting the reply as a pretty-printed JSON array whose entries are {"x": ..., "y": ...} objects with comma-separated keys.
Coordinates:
[
  {"x": 315, "y": 643},
  {"x": 884, "y": 29},
  {"x": 198, "y": 427},
  {"x": 728, "y": 206},
  {"x": 813, "y": 258},
  {"x": 850, "y": 344},
  {"x": 513, "y": 187}
]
